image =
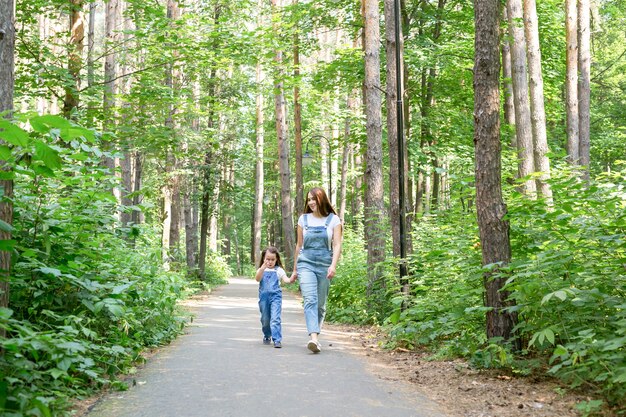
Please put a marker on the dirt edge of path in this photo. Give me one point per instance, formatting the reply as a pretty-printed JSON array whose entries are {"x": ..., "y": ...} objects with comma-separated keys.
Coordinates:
[{"x": 459, "y": 389}]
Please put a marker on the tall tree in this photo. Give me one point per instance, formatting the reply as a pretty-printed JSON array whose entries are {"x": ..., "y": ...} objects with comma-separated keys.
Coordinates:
[
  {"x": 286, "y": 208},
  {"x": 584, "y": 87},
  {"x": 507, "y": 87},
  {"x": 297, "y": 117},
  {"x": 374, "y": 198},
  {"x": 392, "y": 120},
  {"x": 110, "y": 71},
  {"x": 7, "y": 63},
  {"x": 523, "y": 131},
  {"x": 490, "y": 207},
  {"x": 208, "y": 170},
  {"x": 259, "y": 178},
  {"x": 538, "y": 112},
  {"x": 571, "y": 80},
  {"x": 75, "y": 60}
]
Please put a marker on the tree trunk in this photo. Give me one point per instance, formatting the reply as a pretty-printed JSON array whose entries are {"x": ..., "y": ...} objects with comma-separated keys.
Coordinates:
[
  {"x": 392, "y": 122},
  {"x": 507, "y": 85},
  {"x": 257, "y": 221},
  {"x": 571, "y": 81},
  {"x": 137, "y": 216},
  {"x": 523, "y": 131},
  {"x": 207, "y": 170},
  {"x": 345, "y": 162},
  {"x": 374, "y": 194},
  {"x": 75, "y": 60},
  {"x": 491, "y": 210},
  {"x": 110, "y": 71},
  {"x": 191, "y": 241},
  {"x": 538, "y": 112},
  {"x": 297, "y": 121},
  {"x": 357, "y": 202},
  {"x": 584, "y": 89},
  {"x": 90, "y": 43},
  {"x": 7, "y": 64},
  {"x": 286, "y": 208}
]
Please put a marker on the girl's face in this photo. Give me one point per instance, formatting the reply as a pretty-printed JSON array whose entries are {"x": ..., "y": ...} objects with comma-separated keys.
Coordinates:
[
  {"x": 312, "y": 202},
  {"x": 270, "y": 260}
]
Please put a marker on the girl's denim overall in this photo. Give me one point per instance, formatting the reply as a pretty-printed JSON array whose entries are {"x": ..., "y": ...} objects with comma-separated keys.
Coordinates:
[
  {"x": 270, "y": 304},
  {"x": 313, "y": 261}
]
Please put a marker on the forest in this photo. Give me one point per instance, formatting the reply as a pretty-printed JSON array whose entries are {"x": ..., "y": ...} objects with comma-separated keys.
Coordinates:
[{"x": 475, "y": 151}]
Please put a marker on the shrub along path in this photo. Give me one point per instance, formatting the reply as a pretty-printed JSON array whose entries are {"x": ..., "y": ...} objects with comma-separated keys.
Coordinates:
[{"x": 221, "y": 368}]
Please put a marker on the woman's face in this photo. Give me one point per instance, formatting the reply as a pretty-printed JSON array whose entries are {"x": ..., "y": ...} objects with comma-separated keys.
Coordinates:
[{"x": 312, "y": 202}]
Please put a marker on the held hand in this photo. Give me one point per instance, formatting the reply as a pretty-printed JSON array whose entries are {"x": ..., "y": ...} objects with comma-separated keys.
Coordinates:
[
  {"x": 294, "y": 277},
  {"x": 331, "y": 272}
]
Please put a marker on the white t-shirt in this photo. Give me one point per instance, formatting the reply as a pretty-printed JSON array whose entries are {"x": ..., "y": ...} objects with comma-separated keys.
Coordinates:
[
  {"x": 279, "y": 271},
  {"x": 313, "y": 221}
]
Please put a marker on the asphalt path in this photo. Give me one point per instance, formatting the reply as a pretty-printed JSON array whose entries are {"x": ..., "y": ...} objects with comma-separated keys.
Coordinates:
[{"x": 220, "y": 367}]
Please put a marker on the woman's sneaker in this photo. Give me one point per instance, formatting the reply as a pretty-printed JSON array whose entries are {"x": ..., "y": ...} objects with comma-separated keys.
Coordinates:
[
  {"x": 314, "y": 346},
  {"x": 267, "y": 340}
]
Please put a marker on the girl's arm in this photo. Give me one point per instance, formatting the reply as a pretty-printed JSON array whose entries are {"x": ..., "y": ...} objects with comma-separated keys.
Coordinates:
[
  {"x": 337, "y": 238},
  {"x": 259, "y": 273},
  {"x": 282, "y": 275},
  {"x": 294, "y": 274}
]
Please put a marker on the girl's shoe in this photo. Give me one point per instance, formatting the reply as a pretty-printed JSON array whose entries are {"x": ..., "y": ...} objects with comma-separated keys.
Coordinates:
[
  {"x": 278, "y": 345},
  {"x": 314, "y": 346}
]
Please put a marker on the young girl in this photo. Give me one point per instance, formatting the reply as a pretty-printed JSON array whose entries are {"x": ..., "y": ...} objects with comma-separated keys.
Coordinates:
[{"x": 268, "y": 276}]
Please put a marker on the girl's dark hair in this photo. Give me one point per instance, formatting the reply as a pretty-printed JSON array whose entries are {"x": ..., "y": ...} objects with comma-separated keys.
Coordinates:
[
  {"x": 323, "y": 203},
  {"x": 273, "y": 250}
]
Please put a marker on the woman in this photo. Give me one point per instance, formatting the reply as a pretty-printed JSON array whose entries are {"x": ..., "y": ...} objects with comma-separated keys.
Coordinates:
[{"x": 317, "y": 252}]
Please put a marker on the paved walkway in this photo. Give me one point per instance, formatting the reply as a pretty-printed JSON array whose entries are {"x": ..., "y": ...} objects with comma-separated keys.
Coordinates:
[{"x": 221, "y": 368}]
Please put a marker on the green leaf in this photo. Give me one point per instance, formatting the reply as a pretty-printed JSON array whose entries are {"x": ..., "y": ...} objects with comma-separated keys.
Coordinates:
[
  {"x": 49, "y": 156},
  {"x": 6, "y": 227},
  {"x": 13, "y": 134},
  {"x": 5, "y": 152},
  {"x": 7, "y": 245},
  {"x": 56, "y": 373},
  {"x": 45, "y": 123},
  {"x": 52, "y": 271}
]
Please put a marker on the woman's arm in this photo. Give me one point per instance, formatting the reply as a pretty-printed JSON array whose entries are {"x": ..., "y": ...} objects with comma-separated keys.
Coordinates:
[
  {"x": 300, "y": 238},
  {"x": 337, "y": 238}
]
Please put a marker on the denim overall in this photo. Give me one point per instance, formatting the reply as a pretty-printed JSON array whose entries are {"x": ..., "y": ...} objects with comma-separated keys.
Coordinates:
[
  {"x": 313, "y": 261},
  {"x": 270, "y": 304}
]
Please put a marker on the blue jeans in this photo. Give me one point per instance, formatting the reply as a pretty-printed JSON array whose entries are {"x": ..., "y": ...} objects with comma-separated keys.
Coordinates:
[
  {"x": 314, "y": 287},
  {"x": 270, "y": 304}
]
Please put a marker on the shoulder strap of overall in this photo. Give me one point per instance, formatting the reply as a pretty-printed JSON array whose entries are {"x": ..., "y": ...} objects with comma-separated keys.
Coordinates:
[
  {"x": 326, "y": 224},
  {"x": 306, "y": 221}
]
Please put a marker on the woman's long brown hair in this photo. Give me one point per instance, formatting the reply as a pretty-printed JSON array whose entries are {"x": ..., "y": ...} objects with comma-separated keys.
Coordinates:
[{"x": 322, "y": 201}]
